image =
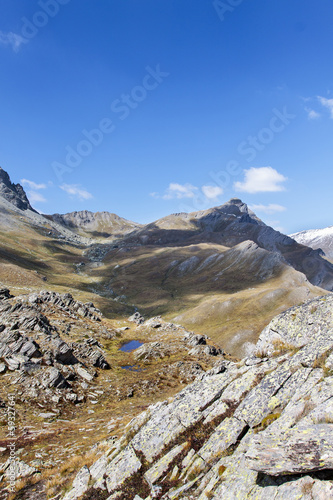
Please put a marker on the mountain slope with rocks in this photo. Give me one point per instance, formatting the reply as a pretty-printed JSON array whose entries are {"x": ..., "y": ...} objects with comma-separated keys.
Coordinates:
[
  {"x": 229, "y": 225},
  {"x": 318, "y": 239},
  {"x": 257, "y": 429},
  {"x": 63, "y": 362},
  {"x": 96, "y": 225}
]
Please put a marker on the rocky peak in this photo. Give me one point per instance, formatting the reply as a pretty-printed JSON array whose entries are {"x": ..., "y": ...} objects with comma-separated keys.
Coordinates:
[
  {"x": 14, "y": 193},
  {"x": 235, "y": 206},
  {"x": 238, "y": 208}
]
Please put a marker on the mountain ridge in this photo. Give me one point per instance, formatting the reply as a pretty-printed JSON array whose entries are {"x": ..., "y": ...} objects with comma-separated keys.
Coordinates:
[{"x": 318, "y": 239}]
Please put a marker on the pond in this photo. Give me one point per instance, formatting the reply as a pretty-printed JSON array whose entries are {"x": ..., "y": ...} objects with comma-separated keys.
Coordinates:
[
  {"x": 130, "y": 346},
  {"x": 133, "y": 368}
]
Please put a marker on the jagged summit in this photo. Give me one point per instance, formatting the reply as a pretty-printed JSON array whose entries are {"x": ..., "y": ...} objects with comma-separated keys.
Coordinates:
[{"x": 14, "y": 193}]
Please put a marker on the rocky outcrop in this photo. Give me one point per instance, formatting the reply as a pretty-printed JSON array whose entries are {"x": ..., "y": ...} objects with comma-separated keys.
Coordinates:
[
  {"x": 257, "y": 429},
  {"x": 14, "y": 193},
  {"x": 31, "y": 344},
  {"x": 300, "y": 325},
  {"x": 137, "y": 318}
]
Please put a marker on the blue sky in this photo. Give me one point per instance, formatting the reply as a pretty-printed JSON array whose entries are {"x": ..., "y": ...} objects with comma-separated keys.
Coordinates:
[{"x": 153, "y": 107}]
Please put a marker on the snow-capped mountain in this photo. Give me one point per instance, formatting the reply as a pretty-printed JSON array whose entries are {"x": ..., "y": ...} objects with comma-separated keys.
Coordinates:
[{"x": 317, "y": 238}]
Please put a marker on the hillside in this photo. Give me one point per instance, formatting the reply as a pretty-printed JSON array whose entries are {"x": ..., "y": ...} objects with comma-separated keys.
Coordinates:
[{"x": 99, "y": 225}]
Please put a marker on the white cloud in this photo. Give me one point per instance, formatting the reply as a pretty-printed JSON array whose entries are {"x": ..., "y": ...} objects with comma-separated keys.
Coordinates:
[
  {"x": 260, "y": 180},
  {"x": 12, "y": 39},
  {"x": 77, "y": 191},
  {"x": 212, "y": 192},
  {"x": 177, "y": 191},
  {"x": 268, "y": 209},
  {"x": 32, "y": 185},
  {"x": 312, "y": 114},
  {"x": 327, "y": 103},
  {"x": 35, "y": 197},
  {"x": 32, "y": 193}
]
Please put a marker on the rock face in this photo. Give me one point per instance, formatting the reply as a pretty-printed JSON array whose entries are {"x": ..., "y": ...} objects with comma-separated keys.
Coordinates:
[
  {"x": 14, "y": 193},
  {"x": 257, "y": 429},
  {"x": 300, "y": 325}
]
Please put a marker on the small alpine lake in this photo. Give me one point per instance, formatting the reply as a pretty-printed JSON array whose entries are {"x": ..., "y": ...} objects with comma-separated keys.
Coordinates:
[{"x": 130, "y": 346}]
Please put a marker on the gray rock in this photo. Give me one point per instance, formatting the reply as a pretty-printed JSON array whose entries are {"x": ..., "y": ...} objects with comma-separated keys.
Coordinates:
[
  {"x": 122, "y": 467},
  {"x": 18, "y": 468},
  {"x": 83, "y": 373},
  {"x": 53, "y": 378},
  {"x": 156, "y": 322},
  {"x": 137, "y": 318},
  {"x": 300, "y": 449},
  {"x": 80, "y": 484},
  {"x": 47, "y": 416},
  {"x": 224, "y": 436},
  {"x": 14, "y": 193},
  {"x": 5, "y": 294},
  {"x": 159, "y": 469},
  {"x": 299, "y": 325}
]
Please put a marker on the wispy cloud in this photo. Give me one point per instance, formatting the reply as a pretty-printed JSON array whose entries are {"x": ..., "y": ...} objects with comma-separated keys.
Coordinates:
[
  {"x": 32, "y": 191},
  {"x": 312, "y": 114},
  {"x": 35, "y": 197},
  {"x": 12, "y": 39},
  {"x": 327, "y": 103},
  {"x": 76, "y": 191},
  {"x": 268, "y": 209},
  {"x": 212, "y": 192},
  {"x": 177, "y": 191},
  {"x": 32, "y": 184},
  {"x": 260, "y": 180}
]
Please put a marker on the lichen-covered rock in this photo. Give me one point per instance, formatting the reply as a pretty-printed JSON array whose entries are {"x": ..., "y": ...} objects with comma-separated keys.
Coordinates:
[
  {"x": 122, "y": 467},
  {"x": 18, "y": 469},
  {"x": 260, "y": 429},
  {"x": 299, "y": 325},
  {"x": 161, "y": 466},
  {"x": 80, "y": 484},
  {"x": 184, "y": 411},
  {"x": 303, "y": 448}
]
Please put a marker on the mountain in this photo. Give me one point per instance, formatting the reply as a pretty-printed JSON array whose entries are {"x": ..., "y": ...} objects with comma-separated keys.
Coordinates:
[
  {"x": 318, "y": 239},
  {"x": 13, "y": 193},
  {"x": 230, "y": 225},
  {"x": 103, "y": 225}
]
